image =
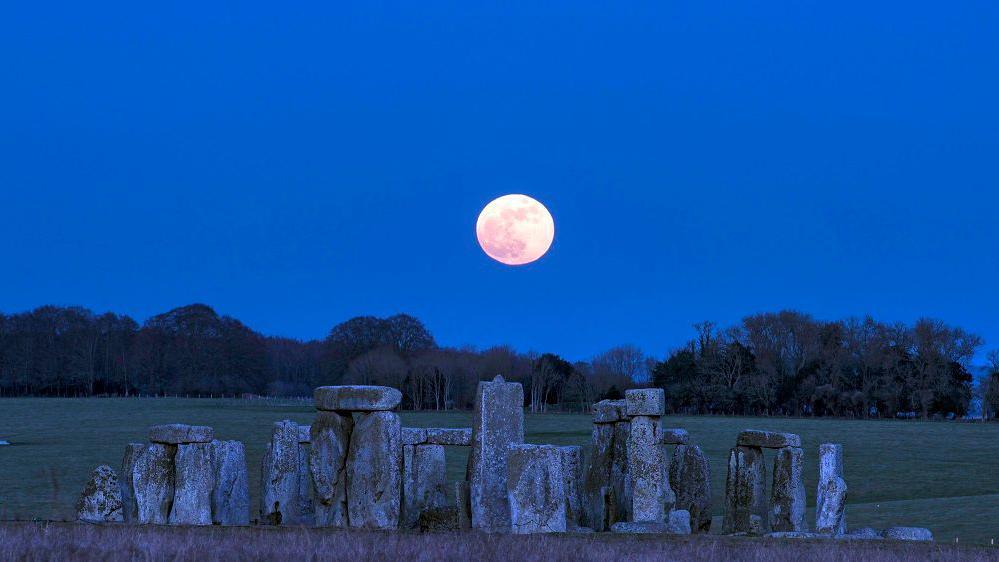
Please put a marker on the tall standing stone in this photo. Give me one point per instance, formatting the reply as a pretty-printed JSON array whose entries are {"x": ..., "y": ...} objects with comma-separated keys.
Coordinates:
[
  {"x": 651, "y": 495},
  {"x": 231, "y": 494},
  {"x": 195, "y": 480},
  {"x": 280, "y": 477},
  {"x": 130, "y": 511},
  {"x": 572, "y": 478},
  {"x": 498, "y": 423},
  {"x": 535, "y": 486},
  {"x": 745, "y": 490},
  {"x": 100, "y": 501},
  {"x": 374, "y": 471},
  {"x": 829, "y": 511},
  {"x": 620, "y": 484},
  {"x": 330, "y": 436},
  {"x": 462, "y": 503},
  {"x": 423, "y": 481},
  {"x": 598, "y": 477},
  {"x": 830, "y": 467},
  {"x": 306, "y": 508},
  {"x": 690, "y": 478},
  {"x": 153, "y": 480},
  {"x": 787, "y": 496}
]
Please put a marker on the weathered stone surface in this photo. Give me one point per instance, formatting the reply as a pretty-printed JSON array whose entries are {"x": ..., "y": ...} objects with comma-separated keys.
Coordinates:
[
  {"x": 374, "y": 471},
  {"x": 459, "y": 436},
  {"x": 787, "y": 495},
  {"x": 101, "y": 499},
  {"x": 306, "y": 506},
  {"x": 865, "y": 533},
  {"x": 423, "y": 481},
  {"x": 438, "y": 519},
  {"x": 620, "y": 481},
  {"x": 756, "y": 527},
  {"x": 745, "y": 487},
  {"x": 829, "y": 512},
  {"x": 153, "y": 480},
  {"x": 178, "y": 433},
  {"x": 690, "y": 478},
  {"x": 462, "y": 503},
  {"x": 130, "y": 511},
  {"x": 304, "y": 434},
  {"x": 535, "y": 485},
  {"x": 678, "y": 522},
  {"x": 279, "y": 479},
  {"x": 640, "y": 527},
  {"x": 795, "y": 535},
  {"x": 498, "y": 423},
  {"x": 768, "y": 439},
  {"x": 195, "y": 480},
  {"x": 572, "y": 482},
  {"x": 651, "y": 495},
  {"x": 330, "y": 433},
  {"x": 908, "y": 534},
  {"x": 610, "y": 411},
  {"x": 830, "y": 466},
  {"x": 414, "y": 436},
  {"x": 598, "y": 477},
  {"x": 231, "y": 494},
  {"x": 356, "y": 398},
  {"x": 675, "y": 436},
  {"x": 645, "y": 402}
]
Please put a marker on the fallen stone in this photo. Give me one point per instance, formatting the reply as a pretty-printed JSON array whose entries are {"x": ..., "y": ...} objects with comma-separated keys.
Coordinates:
[
  {"x": 195, "y": 480},
  {"x": 423, "y": 481},
  {"x": 830, "y": 466},
  {"x": 153, "y": 479},
  {"x": 690, "y": 478},
  {"x": 101, "y": 499},
  {"x": 498, "y": 423},
  {"x": 609, "y": 411},
  {"x": 280, "y": 477},
  {"x": 414, "y": 436},
  {"x": 461, "y": 500},
  {"x": 768, "y": 439},
  {"x": 829, "y": 512},
  {"x": 864, "y": 533},
  {"x": 908, "y": 534},
  {"x": 675, "y": 436},
  {"x": 596, "y": 486},
  {"x": 330, "y": 433},
  {"x": 745, "y": 487},
  {"x": 304, "y": 436},
  {"x": 231, "y": 494},
  {"x": 438, "y": 519},
  {"x": 356, "y": 398},
  {"x": 374, "y": 471},
  {"x": 130, "y": 511},
  {"x": 787, "y": 496},
  {"x": 795, "y": 535},
  {"x": 178, "y": 433},
  {"x": 651, "y": 495},
  {"x": 645, "y": 402},
  {"x": 640, "y": 527},
  {"x": 572, "y": 478},
  {"x": 459, "y": 436},
  {"x": 536, "y": 492},
  {"x": 678, "y": 522}
]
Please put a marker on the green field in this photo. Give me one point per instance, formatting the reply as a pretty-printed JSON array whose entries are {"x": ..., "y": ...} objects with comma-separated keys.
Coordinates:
[{"x": 938, "y": 475}]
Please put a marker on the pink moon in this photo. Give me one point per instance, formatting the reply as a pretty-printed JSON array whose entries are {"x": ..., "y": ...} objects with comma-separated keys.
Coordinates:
[{"x": 515, "y": 229}]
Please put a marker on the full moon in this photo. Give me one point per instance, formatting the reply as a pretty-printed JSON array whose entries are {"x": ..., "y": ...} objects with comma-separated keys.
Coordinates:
[{"x": 515, "y": 229}]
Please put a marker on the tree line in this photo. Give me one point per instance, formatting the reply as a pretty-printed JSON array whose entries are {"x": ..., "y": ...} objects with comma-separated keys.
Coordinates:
[{"x": 784, "y": 363}]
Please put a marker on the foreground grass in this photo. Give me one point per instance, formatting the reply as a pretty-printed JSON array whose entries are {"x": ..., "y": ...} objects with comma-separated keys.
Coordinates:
[
  {"x": 30, "y": 541},
  {"x": 936, "y": 475}
]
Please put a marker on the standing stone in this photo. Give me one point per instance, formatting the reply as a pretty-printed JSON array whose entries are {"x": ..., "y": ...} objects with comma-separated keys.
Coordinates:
[
  {"x": 829, "y": 512},
  {"x": 374, "y": 471},
  {"x": 535, "y": 486},
  {"x": 787, "y": 495},
  {"x": 678, "y": 522},
  {"x": 423, "y": 481},
  {"x": 231, "y": 494},
  {"x": 598, "y": 477},
  {"x": 830, "y": 467},
  {"x": 130, "y": 511},
  {"x": 745, "y": 488},
  {"x": 690, "y": 478},
  {"x": 101, "y": 499},
  {"x": 651, "y": 495},
  {"x": 498, "y": 423},
  {"x": 620, "y": 483},
  {"x": 330, "y": 436},
  {"x": 195, "y": 480},
  {"x": 153, "y": 479},
  {"x": 306, "y": 509},
  {"x": 280, "y": 478},
  {"x": 462, "y": 503},
  {"x": 572, "y": 478}
]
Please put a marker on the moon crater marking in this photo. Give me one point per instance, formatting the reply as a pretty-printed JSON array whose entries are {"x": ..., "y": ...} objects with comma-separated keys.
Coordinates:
[{"x": 515, "y": 229}]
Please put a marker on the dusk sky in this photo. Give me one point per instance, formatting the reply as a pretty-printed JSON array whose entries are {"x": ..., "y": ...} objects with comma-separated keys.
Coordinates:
[{"x": 294, "y": 166}]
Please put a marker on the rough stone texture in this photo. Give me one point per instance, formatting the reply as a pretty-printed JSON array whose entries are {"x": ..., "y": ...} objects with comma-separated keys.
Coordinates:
[
  {"x": 535, "y": 485},
  {"x": 231, "y": 494},
  {"x": 645, "y": 402},
  {"x": 374, "y": 471},
  {"x": 908, "y": 534},
  {"x": 438, "y": 519},
  {"x": 153, "y": 480},
  {"x": 423, "y": 481},
  {"x": 306, "y": 506},
  {"x": 678, "y": 522},
  {"x": 620, "y": 482},
  {"x": 829, "y": 512},
  {"x": 830, "y": 466},
  {"x": 460, "y": 436},
  {"x": 787, "y": 494},
  {"x": 101, "y": 499},
  {"x": 195, "y": 480},
  {"x": 414, "y": 436},
  {"x": 280, "y": 477},
  {"x": 498, "y": 423},
  {"x": 795, "y": 535},
  {"x": 461, "y": 500},
  {"x": 651, "y": 495},
  {"x": 640, "y": 527},
  {"x": 130, "y": 511},
  {"x": 609, "y": 411},
  {"x": 330, "y": 433},
  {"x": 596, "y": 486},
  {"x": 675, "y": 436},
  {"x": 690, "y": 478},
  {"x": 756, "y": 527},
  {"x": 304, "y": 434},
  {"x": 768, "y": 439},
  {"x": 356, "y": 398},
  {"x": 572, "y": 481},
  {"x": 745, "y": 487},
  {"x": 178, "y": 433},
  {"x": 865, "y": 533}
]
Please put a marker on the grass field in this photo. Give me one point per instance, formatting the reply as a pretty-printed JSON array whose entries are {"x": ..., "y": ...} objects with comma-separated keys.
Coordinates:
[{"x": 939, "y": 475}]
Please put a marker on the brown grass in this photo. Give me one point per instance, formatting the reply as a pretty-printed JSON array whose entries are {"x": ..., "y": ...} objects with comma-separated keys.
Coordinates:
[{"x": 65, "y": 541}]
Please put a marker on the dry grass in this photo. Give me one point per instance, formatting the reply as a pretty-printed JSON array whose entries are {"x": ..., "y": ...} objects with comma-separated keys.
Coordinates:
[{"x": 65, "y": 541}]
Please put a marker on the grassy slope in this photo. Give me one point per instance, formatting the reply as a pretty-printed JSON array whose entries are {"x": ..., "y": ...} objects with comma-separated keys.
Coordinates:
[{"x": 939, "y": 475}]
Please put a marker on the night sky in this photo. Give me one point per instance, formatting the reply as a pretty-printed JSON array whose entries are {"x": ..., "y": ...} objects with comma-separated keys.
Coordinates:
[{"x": 294, "y": 166}]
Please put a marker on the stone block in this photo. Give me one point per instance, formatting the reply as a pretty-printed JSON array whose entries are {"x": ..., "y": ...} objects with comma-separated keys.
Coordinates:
[
  {"x": 787, "y": 496},
  {"x": 374, "y": 471},
  {"x": 178, "y": 434},
  {"x": 535, "y": 485},
  {"x": 456, "y": 436},
  {"x": 101, "y": 500},
  {"x": 645, "y": 402},
  {"x": 194, "y": 482},
  {"x": 497, "y": 423},
  {"x": 768, "y": 439},
  {"x": 610, "y": 411},
  {"x": 690, "y": 478},
  {"x": 414, "y": 436},
  {"x": 356, "y": 398},
  {"x": 330, "y": 435}
]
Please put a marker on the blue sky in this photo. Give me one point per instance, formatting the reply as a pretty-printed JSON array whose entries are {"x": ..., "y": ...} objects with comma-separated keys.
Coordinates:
[{"x": 294, "y": 166}]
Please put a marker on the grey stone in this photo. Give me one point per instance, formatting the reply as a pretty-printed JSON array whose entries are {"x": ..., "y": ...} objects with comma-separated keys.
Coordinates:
[
  {"x": 830, "y": 466},
  {"x": 795, "y": 535},
  {"x": 768, "y": 439},
  {"x": 178, "y": 433},
  {"x": 865, "y": 533},
  {"x": 651, "y": 495},
  {"x": 231, "y": 494},
  {"x": 153, "y": 480},
  {"x": 620, "y": 481},
  {"x": 497, "y": 423},
  {"x": 306, "y": 506},
  {"x": 678, "y": 522},
  {"x": 829, "y": 512},
  {"x": 690, "y": 478},
  {"x": 374, "y": 471},
  {"x": 414, "y": 436},
  {"x": 279, "y": 479},
  {"x": 596, "y": 486},
  {"x": 745, "y": 487},
  {"x": 304, "y": 434},
  {"x": 330, "y": 434},
  {"x": 572, "y": 480},
  {"x": 130, "y": 511},
  {"x": 460, "y": 436},
  {"x": 423, "y": 481},
  {"x": 675, "y": 436},
  {"x": 101, "y": 501},
  {"x": 356, "y": 398},
  {"x": 195, "y": 480},
  {"x": 609, "y": 411},
  {"x": 535, "y": 484},
  {"x": 461, "y": 500},
  {"x": 641, "y": 527},
  {"x": 645, "y": 402},
  {"x": 756, "y": 527},
  {"x": 438, "y": 519},
  {"x": 787, "y": 495},
  {"x": 908, "y": 534}
]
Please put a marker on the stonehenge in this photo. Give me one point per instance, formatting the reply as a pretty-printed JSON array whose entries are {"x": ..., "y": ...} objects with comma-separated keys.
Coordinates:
[
  {"x": 830, "y": 503},
  {"x": 497, "y": 423}
]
